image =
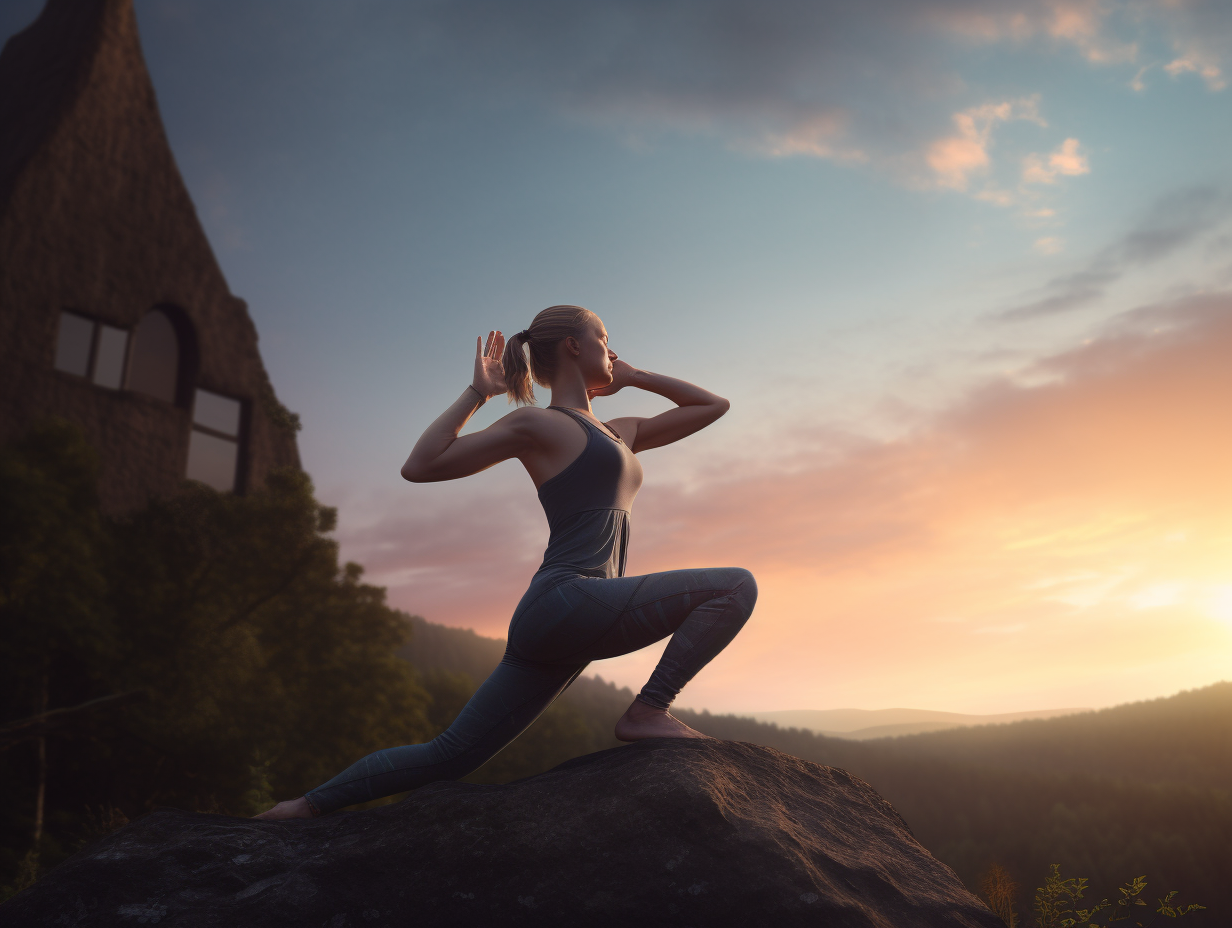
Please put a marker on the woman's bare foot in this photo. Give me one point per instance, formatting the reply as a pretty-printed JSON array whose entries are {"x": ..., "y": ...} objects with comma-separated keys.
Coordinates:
[
  {"x": 642, "y": 720},
  {"x": 291, "y": 808}
]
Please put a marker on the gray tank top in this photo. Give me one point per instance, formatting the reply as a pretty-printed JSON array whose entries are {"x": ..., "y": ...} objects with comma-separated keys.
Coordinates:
[{"x": 588, "y": 504}]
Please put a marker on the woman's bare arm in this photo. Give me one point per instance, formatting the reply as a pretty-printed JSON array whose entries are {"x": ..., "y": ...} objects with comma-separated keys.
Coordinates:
[
  {"x": 441, "y": 454},
  {"x": 695, "y": 408}
]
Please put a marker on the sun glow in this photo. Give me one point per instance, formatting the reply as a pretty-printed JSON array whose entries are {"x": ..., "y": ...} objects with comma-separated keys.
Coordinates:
[{"x": 1219, "y": 603}]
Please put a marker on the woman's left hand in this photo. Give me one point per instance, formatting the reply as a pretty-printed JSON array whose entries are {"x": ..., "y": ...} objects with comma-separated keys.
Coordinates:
[{"x": 622, "y": 376}]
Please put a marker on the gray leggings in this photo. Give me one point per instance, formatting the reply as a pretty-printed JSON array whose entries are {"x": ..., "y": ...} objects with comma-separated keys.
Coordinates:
[{"x": 560, "y": 626}]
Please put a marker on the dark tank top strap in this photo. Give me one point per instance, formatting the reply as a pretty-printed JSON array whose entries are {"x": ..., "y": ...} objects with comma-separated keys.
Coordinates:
[{"x": 590, "y": 423}]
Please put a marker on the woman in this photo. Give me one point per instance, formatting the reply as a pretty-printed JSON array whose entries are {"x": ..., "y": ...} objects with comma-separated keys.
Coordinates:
[{"x": 580, "y": 607}]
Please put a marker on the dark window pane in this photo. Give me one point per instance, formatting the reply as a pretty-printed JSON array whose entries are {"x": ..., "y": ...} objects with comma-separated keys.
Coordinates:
[
  {"x": 212, "y": 460},
  {"x": 156, "y": 357},
  {"x": 220, "y": 413},
  {"x": 73, "y": 344},
  {"x": 109, "y": 357}
]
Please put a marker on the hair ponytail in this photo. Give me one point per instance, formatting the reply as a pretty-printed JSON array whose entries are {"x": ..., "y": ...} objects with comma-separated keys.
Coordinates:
[
  {"x": 517, "y": 371},
  {"x": 530, "y": 355}
]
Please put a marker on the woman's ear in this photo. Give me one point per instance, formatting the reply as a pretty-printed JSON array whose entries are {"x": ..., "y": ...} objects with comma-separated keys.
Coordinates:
[{"x": 572, "y": 345}]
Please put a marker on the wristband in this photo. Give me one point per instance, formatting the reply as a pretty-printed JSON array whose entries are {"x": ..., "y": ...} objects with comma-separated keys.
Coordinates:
[{"x": 482, "y": 399}]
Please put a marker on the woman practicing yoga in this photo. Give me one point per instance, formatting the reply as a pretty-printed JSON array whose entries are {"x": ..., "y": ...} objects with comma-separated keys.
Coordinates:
[{"x": 580, "y": 607}]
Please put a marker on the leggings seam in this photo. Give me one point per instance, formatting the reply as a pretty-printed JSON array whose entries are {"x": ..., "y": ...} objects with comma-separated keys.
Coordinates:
[
  {"x": 650, "y": 602},
  {"x": 569, "y": 657},
  {"x": 626, "y": 606}
]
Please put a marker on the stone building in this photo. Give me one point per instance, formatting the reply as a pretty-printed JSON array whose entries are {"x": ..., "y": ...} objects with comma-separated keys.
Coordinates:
[{"x": 114, "y": 313}]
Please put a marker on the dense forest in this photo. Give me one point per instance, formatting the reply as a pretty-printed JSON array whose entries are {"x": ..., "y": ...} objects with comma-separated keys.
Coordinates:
[{"x": 210, "y": 652}]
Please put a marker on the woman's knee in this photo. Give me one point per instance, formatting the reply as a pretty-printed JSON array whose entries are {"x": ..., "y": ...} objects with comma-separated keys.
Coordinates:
[{"x": 745, "y": 583}]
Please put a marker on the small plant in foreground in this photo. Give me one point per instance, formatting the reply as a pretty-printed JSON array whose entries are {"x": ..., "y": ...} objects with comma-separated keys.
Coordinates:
[
  {"x": 1056, "y": 904},
  {"x": 999, "y": 892}
]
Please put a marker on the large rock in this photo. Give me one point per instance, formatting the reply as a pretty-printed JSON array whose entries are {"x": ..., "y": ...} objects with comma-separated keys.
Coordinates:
[{"x": 658, "y": 833}]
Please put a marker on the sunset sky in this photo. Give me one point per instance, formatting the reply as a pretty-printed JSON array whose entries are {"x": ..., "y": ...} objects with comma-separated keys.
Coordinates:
[{"x": 964, "y": 270}]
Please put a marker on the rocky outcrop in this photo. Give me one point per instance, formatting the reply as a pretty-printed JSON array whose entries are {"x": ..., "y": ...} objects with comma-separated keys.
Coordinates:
[{"x": 657, "y": 833}]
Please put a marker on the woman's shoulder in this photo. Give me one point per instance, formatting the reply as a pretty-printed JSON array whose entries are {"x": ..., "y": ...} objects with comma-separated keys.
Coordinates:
[
  {"x": 530, "y": 418},
  {"x": 528, "y": 414}
]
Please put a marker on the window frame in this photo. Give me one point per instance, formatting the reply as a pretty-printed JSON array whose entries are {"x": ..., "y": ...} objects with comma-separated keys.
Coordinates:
[
  {"x": 239, "y": 439},
  {"x": 96, "y": 337}
]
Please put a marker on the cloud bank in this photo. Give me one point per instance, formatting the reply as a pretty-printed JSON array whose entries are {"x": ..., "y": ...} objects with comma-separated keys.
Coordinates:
[{"x": 878, "y": 84}]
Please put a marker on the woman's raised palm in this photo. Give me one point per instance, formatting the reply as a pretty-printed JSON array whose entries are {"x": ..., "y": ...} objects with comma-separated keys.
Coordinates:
[{"x": 489, "y": 372}]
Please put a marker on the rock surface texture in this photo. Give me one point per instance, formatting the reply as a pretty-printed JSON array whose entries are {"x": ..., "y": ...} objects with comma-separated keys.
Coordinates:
[{"x": 657, "y": 833}]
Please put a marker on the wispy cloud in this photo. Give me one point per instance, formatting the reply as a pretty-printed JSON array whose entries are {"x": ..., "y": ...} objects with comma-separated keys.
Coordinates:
[
  {"x": 1198, "y": 64},
  {"x": 1173, "y": 222}
]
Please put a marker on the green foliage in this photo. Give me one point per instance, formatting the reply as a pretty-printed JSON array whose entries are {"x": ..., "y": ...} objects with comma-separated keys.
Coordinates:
[
  {"x": 259, "y": 796},
  {"x": 1056, "y": 904},
  {"x": 26, "y": 876},
  {"x": 53, "y": 614},
  {"x": 1166, "y": 908},
  {"x": 263, "y": 652},
  {"x": 278, "y": 414},
  {"x": 268, "y": 665}
]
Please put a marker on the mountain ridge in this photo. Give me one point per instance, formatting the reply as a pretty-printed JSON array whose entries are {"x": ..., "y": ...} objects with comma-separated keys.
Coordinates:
[{"x": 865, "y": 724}]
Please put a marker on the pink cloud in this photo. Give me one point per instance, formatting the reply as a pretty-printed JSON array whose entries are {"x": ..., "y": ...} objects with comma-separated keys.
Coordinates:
[
  {"x": 956, "y": 159},
  {"x": 1083, "y": 24},
  {"x": 1197, "y": 63},
  {"x": 1067, "y": 161}
]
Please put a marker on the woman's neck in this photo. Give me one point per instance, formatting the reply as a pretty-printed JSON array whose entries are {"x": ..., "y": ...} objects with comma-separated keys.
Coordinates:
[{"x": 568, "y": 389}]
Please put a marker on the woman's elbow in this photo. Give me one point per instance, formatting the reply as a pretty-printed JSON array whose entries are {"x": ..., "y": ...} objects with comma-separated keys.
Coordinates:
[
  {"x": 413, "y": 473},
  {"x": 721, "y": 406}
]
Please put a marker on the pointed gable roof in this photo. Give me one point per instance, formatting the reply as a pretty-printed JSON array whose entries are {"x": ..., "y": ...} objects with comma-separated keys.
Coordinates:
[
  {"x": 42, "y": 70},
  {"x": 95, "y": 218}
]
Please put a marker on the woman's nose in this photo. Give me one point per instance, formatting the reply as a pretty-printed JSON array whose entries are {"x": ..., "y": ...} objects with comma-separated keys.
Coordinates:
[{"x": 611, "y": 355}]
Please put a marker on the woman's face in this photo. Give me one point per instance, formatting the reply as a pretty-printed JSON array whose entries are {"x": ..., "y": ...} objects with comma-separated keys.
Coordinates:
[{"x": 594, "y": 356}]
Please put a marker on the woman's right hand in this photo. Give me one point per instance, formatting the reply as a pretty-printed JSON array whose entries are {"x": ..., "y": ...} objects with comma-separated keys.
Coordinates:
[{"x": 489, "y": 377}]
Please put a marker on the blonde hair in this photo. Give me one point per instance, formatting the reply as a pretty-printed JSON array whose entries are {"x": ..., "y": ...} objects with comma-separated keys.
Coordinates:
[{"x": 531, "y": 354}]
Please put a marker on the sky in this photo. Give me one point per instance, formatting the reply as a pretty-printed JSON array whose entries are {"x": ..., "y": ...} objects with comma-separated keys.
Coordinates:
[{"x": 963, "y": 268}]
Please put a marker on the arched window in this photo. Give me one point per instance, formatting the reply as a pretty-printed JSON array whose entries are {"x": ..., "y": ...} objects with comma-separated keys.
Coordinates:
[{"x": 154, "y": 366}]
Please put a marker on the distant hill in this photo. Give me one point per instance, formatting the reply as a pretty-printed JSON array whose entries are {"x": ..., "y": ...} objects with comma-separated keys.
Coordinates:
[
  {"x": 457, "y": 650},
  {"x": 1144, "y": 788},
  {"x": 865, "y": 724}
]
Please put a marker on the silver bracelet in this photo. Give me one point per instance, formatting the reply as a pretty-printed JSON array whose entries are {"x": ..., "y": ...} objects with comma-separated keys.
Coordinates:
[{"x": 482, "y": 399}]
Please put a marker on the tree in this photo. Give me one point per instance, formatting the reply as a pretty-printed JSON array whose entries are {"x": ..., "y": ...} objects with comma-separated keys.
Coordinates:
[{"x": 267, "y": 665}]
